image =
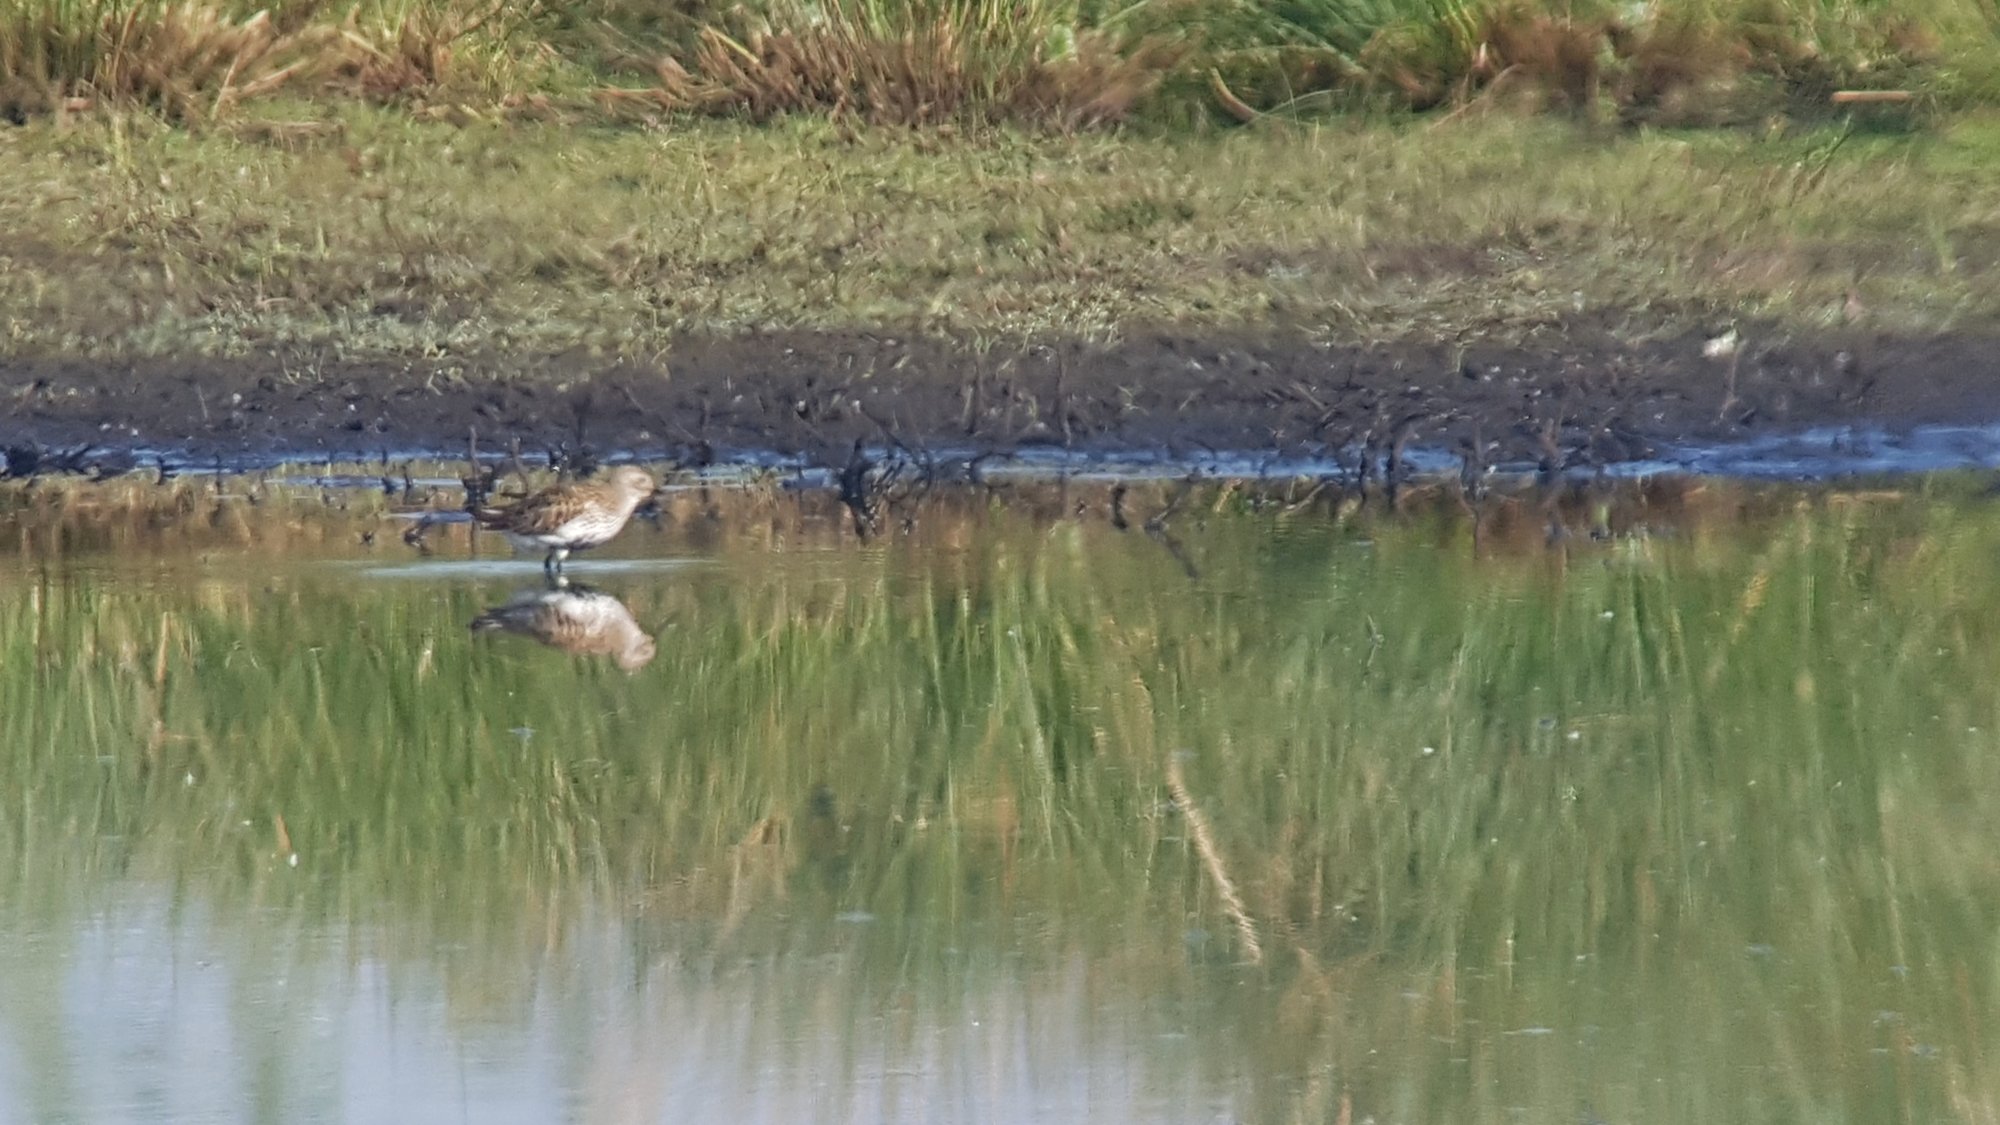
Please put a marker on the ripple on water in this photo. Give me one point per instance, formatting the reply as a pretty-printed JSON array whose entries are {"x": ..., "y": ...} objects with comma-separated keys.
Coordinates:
[{"x": 518, "y": 567}]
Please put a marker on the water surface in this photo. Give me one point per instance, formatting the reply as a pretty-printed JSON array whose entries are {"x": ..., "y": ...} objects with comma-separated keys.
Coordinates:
[{"x": 1314, "y": 817}]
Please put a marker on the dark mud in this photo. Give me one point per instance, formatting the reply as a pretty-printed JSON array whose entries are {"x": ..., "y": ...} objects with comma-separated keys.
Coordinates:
[{"x": 1583, "y": 400}]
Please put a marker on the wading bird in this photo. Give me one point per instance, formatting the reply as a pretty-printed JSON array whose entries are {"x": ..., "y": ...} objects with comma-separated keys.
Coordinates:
[{"x": 575, "y": 516}]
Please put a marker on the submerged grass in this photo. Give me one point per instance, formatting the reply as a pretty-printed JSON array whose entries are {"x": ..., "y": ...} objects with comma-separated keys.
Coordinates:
[{"x": 1703, "y": 806}]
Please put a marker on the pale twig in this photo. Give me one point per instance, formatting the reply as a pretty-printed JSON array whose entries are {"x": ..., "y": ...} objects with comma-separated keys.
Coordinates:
[{"x": 1211, "y": 857}]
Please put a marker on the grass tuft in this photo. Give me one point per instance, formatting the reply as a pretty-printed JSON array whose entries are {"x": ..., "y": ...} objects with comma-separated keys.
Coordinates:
[
  {"x": 904, "y": 63},
  {"x": 190, "y": 60},
  {"x": 401, "y": 51},
  {"x": 1671, "y": 61}
]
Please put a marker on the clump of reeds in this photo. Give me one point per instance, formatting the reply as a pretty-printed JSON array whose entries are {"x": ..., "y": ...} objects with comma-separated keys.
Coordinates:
[
  {"x": 190, "y": 59},
  {"x": 195, "y": 59},
  {"x": 912, "y": 62},
  {"x": 396, "y": 51},
  {"x": 1664, "y": 59}
]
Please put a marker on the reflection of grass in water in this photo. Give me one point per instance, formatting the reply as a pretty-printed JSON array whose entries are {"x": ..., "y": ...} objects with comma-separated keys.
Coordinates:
[{"x": 1766, "y": 831}]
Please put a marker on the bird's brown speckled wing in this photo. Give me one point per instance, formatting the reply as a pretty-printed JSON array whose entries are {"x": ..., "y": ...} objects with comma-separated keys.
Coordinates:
[{"x": 542, "y": 513}]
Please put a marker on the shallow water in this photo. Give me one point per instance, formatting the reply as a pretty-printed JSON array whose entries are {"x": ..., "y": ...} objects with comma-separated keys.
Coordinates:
[{"x": 1008, "y": 820}]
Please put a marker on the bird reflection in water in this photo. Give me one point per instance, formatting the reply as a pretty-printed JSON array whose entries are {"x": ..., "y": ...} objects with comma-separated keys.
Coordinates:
[{"x": 576, "y": 619}]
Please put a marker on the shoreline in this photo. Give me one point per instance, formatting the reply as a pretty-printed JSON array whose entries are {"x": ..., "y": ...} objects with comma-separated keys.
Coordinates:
[
  {"x": 1495, "y": 291},
  {"x": 808, "y": 398}
]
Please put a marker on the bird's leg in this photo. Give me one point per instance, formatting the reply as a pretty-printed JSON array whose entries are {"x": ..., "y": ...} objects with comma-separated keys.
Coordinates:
[{"x": 552, "y": 563}]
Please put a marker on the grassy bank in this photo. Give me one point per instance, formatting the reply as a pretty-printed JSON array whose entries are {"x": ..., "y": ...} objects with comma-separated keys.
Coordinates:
[
  {"x": 325, "y": 182},
  {"x": 325, "y": 234}
]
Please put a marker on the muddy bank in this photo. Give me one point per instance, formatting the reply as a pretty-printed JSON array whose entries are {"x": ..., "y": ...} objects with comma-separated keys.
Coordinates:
[{"x": 1582, "y": 400}]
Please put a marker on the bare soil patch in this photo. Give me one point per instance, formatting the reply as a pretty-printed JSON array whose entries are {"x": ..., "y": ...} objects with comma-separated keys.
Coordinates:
[{"x": 1590, "y": 400}]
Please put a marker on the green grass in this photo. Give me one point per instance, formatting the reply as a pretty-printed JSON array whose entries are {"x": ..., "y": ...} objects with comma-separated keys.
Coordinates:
[
  {"x": 386, "y": 180},
  {"x": 363, "y": 235},
  {"x": 1707, "y": 805}
]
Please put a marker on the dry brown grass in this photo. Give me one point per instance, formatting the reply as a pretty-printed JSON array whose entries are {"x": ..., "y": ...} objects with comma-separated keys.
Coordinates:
[
  {"x": 1680, "y": 66},
  {"x": 913, "y": 66},
  {"x": 190, "y": 60},
  {"x": 193, "y": 60},
  {"x": 401, "y": 52}
]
